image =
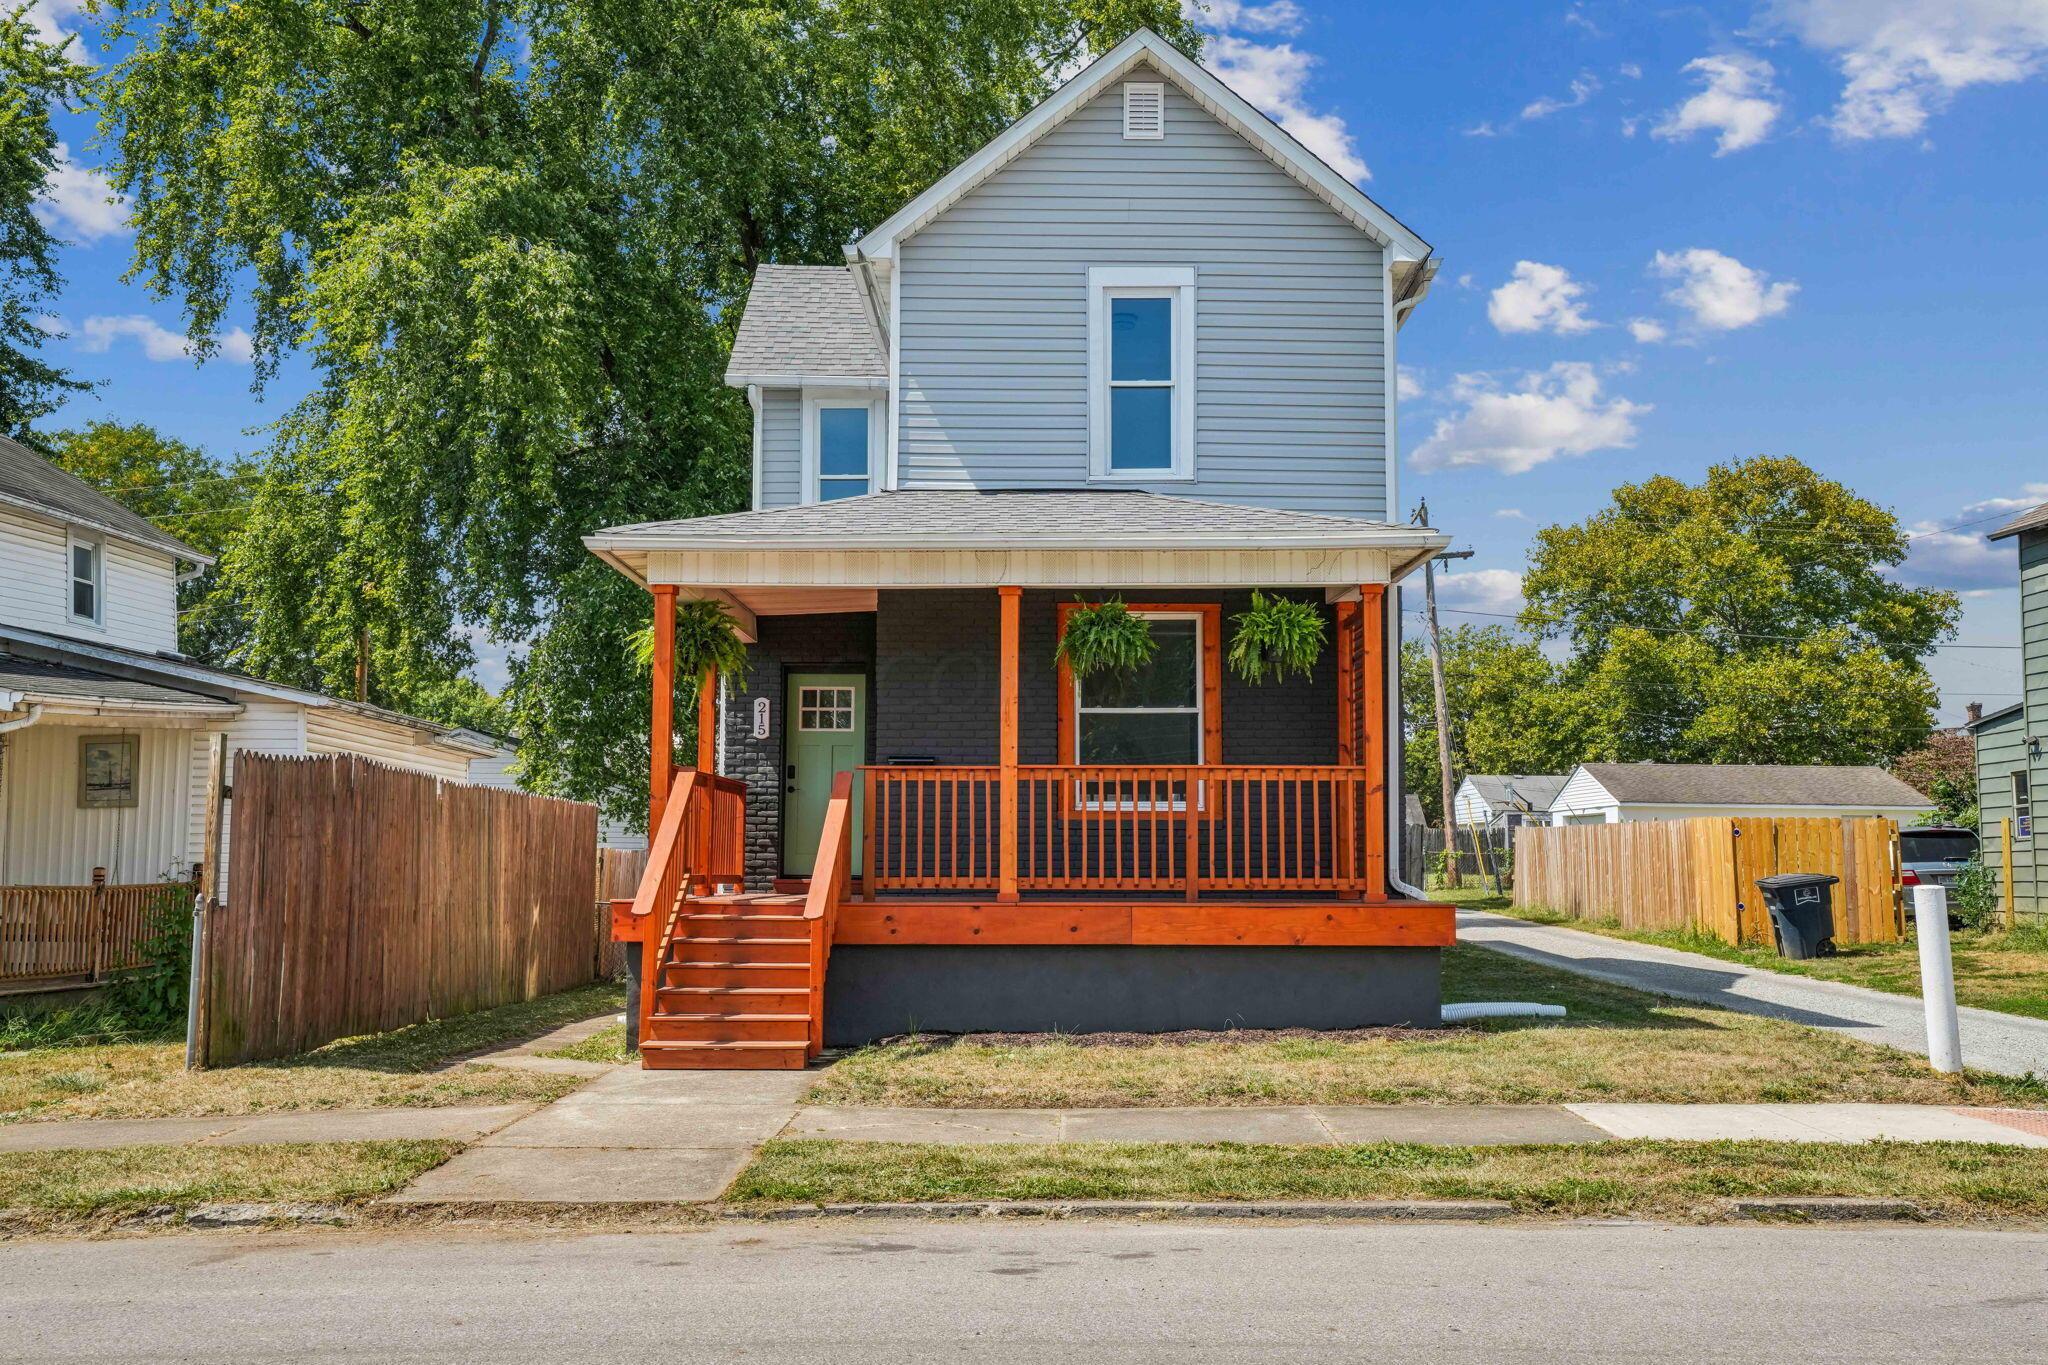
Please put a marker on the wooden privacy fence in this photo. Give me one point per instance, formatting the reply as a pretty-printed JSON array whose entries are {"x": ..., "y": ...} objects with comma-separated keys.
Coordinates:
[
  {"x": 78, "y": 934},
  {"x": 618, "y": 876},
  {"x": 1702, "y": 874},
  {"x": 363, "y": 898}
]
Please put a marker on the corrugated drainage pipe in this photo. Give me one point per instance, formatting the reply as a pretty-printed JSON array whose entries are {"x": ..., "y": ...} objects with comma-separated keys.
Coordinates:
[{"x": 1500, "y": 1009}]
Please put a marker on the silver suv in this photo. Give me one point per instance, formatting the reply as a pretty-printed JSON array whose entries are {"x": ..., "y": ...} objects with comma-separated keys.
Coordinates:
[{"x": 1935, "y": 855}]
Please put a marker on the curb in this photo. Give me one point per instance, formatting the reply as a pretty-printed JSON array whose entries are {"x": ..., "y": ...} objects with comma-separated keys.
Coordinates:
[
  {"x": 1831, "y": 1210},
  {"x": 1380, "y": 1210}
]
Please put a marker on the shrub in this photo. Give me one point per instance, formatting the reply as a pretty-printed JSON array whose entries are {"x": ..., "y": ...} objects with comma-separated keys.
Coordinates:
[
  {"x": 150, "y": 999},
  {"x": 1973, "y": 900}
]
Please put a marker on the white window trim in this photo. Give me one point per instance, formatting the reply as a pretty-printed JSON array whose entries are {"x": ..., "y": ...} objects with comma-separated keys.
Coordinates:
[
  {"x": 1178, "y": 284},
  {"x": 1081, "y": 800},
  {"x": 72, "y": 541},
  {"x": 814, "y": 399}
]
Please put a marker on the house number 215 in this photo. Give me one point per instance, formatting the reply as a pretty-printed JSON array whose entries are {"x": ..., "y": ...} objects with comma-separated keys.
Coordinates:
[{"x": 760, "y": 718}]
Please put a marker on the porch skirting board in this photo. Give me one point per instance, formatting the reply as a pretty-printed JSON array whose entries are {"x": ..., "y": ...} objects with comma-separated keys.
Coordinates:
[{"x": 877, "y": 992}]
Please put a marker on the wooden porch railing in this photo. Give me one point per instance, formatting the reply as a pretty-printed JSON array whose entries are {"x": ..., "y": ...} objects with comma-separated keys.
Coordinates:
[
  {"x": 831, "y": 885},
  {"x": 78, "y": 931},
  {"x": 1117, "y": 828},
  {"x": 700, "y": 843}
]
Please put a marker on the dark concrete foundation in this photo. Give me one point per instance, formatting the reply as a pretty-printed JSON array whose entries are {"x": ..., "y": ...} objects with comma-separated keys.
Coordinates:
[{"x": 876, "y": 992}]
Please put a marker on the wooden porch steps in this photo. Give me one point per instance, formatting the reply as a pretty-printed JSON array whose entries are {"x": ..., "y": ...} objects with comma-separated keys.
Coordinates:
[{"x": 734, "y": 988}]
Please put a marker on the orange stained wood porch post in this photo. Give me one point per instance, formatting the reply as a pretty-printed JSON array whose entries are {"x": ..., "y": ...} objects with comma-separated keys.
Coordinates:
[
  {"x": 1347, "y": 743},
  {"x": 707, "y": 721},
  {"x": 1009, "y": 602},
  {"x": 1372, "y": 730},
  {"x": 662, "y": 735}
]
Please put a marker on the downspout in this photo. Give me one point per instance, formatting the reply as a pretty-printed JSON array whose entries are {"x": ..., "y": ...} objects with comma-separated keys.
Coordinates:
[
  {"x": 1397, "y": 846},
  {"x": 35, "y": 713}
]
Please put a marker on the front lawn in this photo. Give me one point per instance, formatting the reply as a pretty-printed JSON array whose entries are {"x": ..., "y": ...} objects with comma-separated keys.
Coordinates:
[
  {"x": 1653, "y": 1179},
  {"x": 1616, "y": 1045},
  {"x": 1996, "y": 970},
  {"x": 129, "y": 1179},
  {"x": 420, "y": 1065}
]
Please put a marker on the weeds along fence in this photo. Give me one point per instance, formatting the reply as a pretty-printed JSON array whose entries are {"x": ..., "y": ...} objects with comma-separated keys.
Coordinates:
[
  {"x": 60, "y": 936},
  {"x": 1701, "y": 875},
  {"x": 362, "y": 898}
]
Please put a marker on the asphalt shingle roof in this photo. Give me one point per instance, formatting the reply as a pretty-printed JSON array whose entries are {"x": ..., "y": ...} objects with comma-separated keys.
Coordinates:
[
  {"x": 2025, "y": 521},
  {"x": 1517, "y": 791},
  {"x": 806, "y": 320},
  {"x": 26, "y": 477},
  {"x": 38, "y": 679},
  {"x": 1745, "y": 784},
  {"x": 1080, "y": 517}
]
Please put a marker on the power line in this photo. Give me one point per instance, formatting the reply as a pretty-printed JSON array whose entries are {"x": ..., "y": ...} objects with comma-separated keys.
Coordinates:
[{"x": 1662, "y": 630}]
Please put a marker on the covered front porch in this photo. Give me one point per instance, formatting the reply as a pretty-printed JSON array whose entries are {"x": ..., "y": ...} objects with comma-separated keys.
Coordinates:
[{"x": 911, "y": 785}]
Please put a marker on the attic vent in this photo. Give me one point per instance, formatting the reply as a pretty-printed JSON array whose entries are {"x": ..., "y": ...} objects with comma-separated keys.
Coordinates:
[{"x": 1144, "y": 110}]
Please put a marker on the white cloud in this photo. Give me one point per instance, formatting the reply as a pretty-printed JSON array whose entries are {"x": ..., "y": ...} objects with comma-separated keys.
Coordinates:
[
  {"x": 1720, "y": 292},
  {"x": 1547, "y": 414},
  {"x": 1483, "y": 128},
  {"x": 1630, "y": 71},
  {"x": 1408, "y": 384},
  {"x": 1962, "y": 561},
  {"x": 1465, "y": 281},
  {"x": 1540, "y": 298},
  {"x": 1903, "y": 60},
  {"x": 1647, "y": 331},
  {"x": 1512, "y": 514},
  {"x": 1736, "y": 100},
  {"x": 2030, "y": 496},
  {"x": 50, "y": 325},
  {"x": 1277, "y": 16},
  {"x": 1582, "y": 89},
  {"x": 1575, "y": 17},
  {"x": 80, "y": 203},
  {"x": 1274, "y": 77},
  {"x": 158, "y": 342},
  {"x": 1486, "y": 592},
  {"x": 47, "y": 18}
]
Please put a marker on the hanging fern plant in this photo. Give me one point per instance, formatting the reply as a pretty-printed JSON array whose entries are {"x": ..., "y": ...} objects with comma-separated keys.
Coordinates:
[
  {"x": 1104, "y": 637},
  {"x": 704, "y": 639},
  {"x": 1278, "y": 636}
]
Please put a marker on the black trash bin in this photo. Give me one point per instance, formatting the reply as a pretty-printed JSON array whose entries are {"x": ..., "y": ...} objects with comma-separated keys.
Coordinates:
[{"x": 1802, "y": 906}]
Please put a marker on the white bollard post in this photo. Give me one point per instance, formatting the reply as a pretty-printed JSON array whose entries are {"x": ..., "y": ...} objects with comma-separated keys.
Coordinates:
[{"x": 1937, "y": 978}]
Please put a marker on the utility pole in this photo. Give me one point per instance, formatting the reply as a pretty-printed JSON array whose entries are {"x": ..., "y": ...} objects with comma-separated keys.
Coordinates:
[{"x": 1443, "y": 705}]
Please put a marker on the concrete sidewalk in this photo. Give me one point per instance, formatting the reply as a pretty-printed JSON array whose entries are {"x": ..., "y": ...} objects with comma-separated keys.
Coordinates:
[
  {"x": 458, "y": 1124},
  {"x": 2002, "y": 1043}
]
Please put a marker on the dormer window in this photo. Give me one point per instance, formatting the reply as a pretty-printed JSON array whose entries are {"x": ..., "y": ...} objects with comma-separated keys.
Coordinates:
[
  {"x": 88, "y": 579},
  {"x": 842, "y": 432},
  {"x": 1142, "y": 372}
]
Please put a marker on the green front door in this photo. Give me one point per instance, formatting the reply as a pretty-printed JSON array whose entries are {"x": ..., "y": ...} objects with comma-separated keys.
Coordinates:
[{"x": 827, "y": 735}]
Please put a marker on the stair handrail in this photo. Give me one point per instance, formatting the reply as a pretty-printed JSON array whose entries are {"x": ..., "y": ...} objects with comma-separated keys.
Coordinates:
[
  {"x": 831, "y": 882},
  {"x": 661, "y": 882}
]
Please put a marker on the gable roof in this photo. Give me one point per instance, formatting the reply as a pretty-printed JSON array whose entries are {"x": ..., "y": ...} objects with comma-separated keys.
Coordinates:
[
  {"x": 1750, "y": 784},
  {"x": 2025, "y": 521},
  {"x": 28, "y": 480},
  {"x": 806, "y": 322},
  {"x": 1081, "y": 519},
  {"x": 1145, "y": 47},
  {"x": 37, "y": 681},
  {"x": 2003, "y": 713},
  {"x": 1518, "y": 791}
]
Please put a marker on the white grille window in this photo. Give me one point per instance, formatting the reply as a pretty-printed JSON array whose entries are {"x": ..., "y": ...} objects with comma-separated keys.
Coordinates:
[
  {"x": 1144, "y": 110},
  {"x": 824, "y": 708}
]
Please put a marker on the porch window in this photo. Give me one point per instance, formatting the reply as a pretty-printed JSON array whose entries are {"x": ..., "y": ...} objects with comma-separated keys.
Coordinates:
[
  {"x": 1152, "y": 715},
  {"x": 86, "y": 579},
  {"x": 840, "y": 436},
  {"x": 1141, "y": 369}
]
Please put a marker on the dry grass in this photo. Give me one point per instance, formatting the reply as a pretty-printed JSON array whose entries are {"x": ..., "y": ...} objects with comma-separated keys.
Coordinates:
[
  {"x": 1661, "y": 1179},
  {"x": 606, "y": 1045},
  {"x": 125, "y": 1179},
  {"x": 416, "y": 1066},
  {"x": 1617, "y": 1045}
]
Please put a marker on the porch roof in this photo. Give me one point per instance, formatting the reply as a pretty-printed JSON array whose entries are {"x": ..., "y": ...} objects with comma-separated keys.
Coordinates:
[
  {"x": 32, "y": 682},
  {"x": 1091, "y": 521}
]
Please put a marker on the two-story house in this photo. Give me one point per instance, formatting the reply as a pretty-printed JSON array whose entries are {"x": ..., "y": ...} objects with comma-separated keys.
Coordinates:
[
  {"x": 1140, "y": 347},
  {"x": 2012, "y": 742},
  {"x": 104, "y": 727}
]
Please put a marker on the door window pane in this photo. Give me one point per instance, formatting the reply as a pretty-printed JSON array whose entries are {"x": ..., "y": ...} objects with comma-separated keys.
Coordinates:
[{"x": 1141, "y": 339}]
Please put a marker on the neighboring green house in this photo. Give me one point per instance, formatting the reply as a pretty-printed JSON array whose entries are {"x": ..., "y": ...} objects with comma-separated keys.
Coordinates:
[{"x": 2012, "y": 744}]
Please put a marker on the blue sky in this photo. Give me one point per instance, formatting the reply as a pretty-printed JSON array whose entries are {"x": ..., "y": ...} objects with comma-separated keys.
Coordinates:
[{"x": 1672, "y": 235}]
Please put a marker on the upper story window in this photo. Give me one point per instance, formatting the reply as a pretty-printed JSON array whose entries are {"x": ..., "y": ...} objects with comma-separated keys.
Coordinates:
[
  {"x": 841, "y": 436},
  {"x": 1141, "y": 372},
  {"x": 88, "y": 579}
]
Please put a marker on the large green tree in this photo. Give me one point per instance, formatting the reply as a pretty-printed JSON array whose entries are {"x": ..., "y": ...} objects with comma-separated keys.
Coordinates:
[
  {"x": 513, "y": 236},
  {"x": 35, "y": 77},
  {"x": 1507, "y": 713},
  {"x": 179, "y": 487},
  {"x": 1749, "y": 618}
]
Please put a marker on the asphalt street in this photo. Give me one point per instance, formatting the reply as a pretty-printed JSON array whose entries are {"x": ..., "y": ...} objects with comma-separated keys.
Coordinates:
[{"x": 1011, "y": 1291}]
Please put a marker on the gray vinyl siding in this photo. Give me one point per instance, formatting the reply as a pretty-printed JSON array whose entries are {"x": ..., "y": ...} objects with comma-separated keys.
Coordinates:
[
  {"x": 2020, "y": 740},
  {"x": 782, "y": 455},
  {"x": 1290, "y": 375}
]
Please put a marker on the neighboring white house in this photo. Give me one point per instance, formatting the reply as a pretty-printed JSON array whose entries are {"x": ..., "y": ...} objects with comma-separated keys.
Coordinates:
[
  {"x": 1611, "y": 793},
  {"x": 104, "y": 726},
  {"x": 1506, "y": 799}
]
